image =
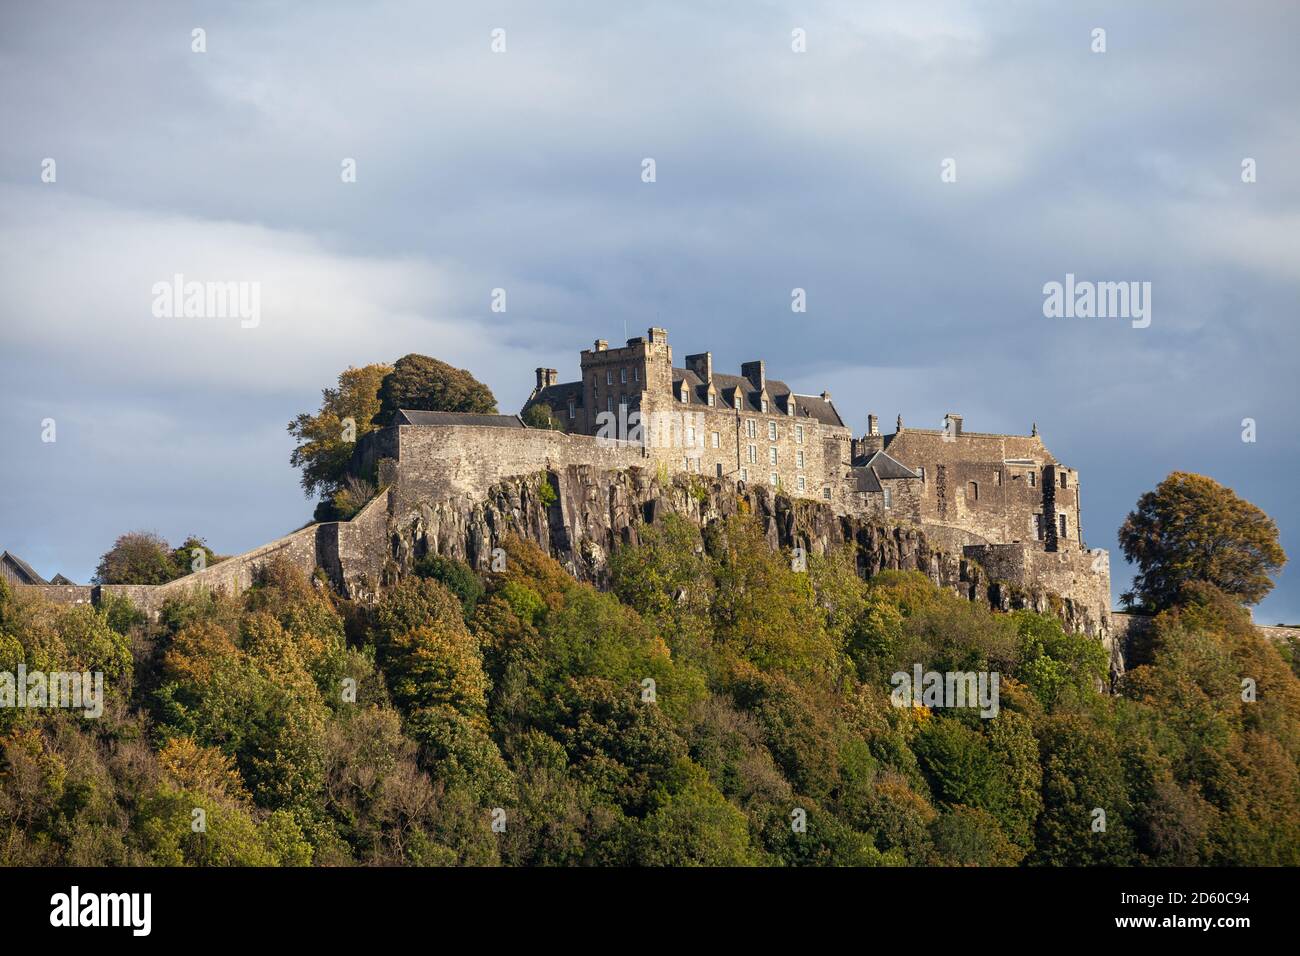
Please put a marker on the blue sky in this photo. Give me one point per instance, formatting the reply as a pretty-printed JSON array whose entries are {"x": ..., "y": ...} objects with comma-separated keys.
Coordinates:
[{"x": 522, "y": 170}]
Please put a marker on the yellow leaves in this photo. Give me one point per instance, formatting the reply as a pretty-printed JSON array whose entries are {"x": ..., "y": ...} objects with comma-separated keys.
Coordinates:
[
  {"x": 198, "y": 651},
  {"x": 204, "y": 770}
]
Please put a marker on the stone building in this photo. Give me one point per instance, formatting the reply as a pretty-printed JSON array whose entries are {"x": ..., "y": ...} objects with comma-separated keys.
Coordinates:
[
  {"x": 988, "y": 488},
  {"x": 973, "y": 488},
  {"x": 745, "y": 427}
]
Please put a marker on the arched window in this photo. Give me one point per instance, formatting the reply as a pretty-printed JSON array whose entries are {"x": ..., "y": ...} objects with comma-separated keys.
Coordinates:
[{"x": 972, "y": 491}]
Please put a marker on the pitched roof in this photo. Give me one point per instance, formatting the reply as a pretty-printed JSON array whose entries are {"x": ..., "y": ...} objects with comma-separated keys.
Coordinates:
[
  {"x": 16, "y": 569},
  {"x": 411, "y": 416},
  {"x": 60, "y": 579},
  {"x": 886, "y": 466},
  {"x": 879, "y": 467},
  {"x": 557, "y": 396},
  {"x": 805, "y": 406}
]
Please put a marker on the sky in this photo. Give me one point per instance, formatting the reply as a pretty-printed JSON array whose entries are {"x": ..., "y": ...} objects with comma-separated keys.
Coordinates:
[{"x": 829, "y": 169}]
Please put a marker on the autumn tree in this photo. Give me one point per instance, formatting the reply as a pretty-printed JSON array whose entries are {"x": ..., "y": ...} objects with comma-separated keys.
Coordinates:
[
  {"x": 1191, "y": 528},
  {"x": 326, "y": 439}
]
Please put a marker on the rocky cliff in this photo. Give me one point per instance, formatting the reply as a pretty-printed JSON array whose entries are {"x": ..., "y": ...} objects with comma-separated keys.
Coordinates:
[{"x": 580, "y": 514}]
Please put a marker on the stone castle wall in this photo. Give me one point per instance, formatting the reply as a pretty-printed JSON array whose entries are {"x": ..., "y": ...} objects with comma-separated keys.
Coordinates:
[{"x": 458, "y": 489}]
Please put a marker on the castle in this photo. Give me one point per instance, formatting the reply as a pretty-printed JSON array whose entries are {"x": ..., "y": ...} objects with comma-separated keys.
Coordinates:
[
  {"x": 996, "y": 517},
  {"x": 973, "y": 488}
]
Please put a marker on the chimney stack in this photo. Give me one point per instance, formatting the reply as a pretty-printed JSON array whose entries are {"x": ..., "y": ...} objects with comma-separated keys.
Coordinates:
[
  {"x": 873, "y": 425},
  {"x": 756, "y": 372},
  {"x": 602, "y": 345},
  {"x": 702, "y": 365},
  {"x": 952, "y": 423}
]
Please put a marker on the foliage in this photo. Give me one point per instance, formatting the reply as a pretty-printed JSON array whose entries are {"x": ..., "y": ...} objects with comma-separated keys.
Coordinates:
[
  {"x": 716, "y": 707},
  {"x": 143, "y": 557},
  {"x": 540, "y": 416},
  {"x": 1192, "y": 529},
  {"x": 324, "y": 443},
  {"x": 422, "y": 382}
]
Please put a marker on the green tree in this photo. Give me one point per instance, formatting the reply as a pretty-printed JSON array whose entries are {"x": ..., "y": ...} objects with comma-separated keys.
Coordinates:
[
  {"x": 540, "y": 416},
  {"x": 1191, "y": 528},
  {"x": 421, "y": 382},
  {"x": 138, "y": 557}
]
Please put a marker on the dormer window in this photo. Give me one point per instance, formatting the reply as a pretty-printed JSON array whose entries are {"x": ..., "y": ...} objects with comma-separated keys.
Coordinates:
[
  {"x": 762, "y": 405},
  {"x": 710, "y": 399}
]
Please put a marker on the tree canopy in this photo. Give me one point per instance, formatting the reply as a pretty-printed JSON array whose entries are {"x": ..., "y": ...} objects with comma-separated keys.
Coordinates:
[
  {"x": 143, "y": 557},
  {"x": 367, "y": 398},
  {"x": 425, "y": 383},
  {"x": 1191, "y": 528},
  {"x": 716, "y": 706}
]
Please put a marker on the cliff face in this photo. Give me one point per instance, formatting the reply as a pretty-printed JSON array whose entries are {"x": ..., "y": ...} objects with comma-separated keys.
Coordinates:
[{"x": 580, "y": 514}]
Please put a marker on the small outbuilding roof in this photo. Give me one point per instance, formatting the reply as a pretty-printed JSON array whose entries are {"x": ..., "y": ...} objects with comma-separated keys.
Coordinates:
[{"x": 411, "y": 416}]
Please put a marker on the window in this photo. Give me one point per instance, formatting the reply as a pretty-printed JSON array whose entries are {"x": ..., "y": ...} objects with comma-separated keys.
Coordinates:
[
  {"x": 744, "y": 474},
  {"x": 719, "y": 469},
  {"x": 997, "y": 477},
  {"x": 753, "y": 454},
  {"x": 771, "y": 431},
  {"x": 803, "y": 485},
  {"x": 686, "y": 394},
  {"x": 1063, "y": 483},
  {"x": 609, "y": 402},
  {"x": 1033, "y": 481},
  {"x": 1038, "y": 527},
  {"x": 789, "y": 405},
  {"x": 690, "y": 436},
  {"x": 609, "y": 376},
  {"x": 716, "y": 442},
  {"x": 622, "y": 376},
  {"x": 972, "y": 492},
  {"x": 750, "y": 430},
  {"x": 921, "y": 471},
  {"x": 636, "y": 374},
  {"x": 711, "y": 399},
  {"x": 737, "y": 400},
  {"x": 572, "y": 411},
  {"x": 798, "y": 434},
  {"x": 889, "y": 498},
  {"x": 798, "y": 459},
  {"x": 826, "y": 493},
  {"x": 774, "y": 480},
  {"x": 1063, "y": 531},
  {"x": 771, "y": 455},
  {"x": 762, "y": 405}
]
